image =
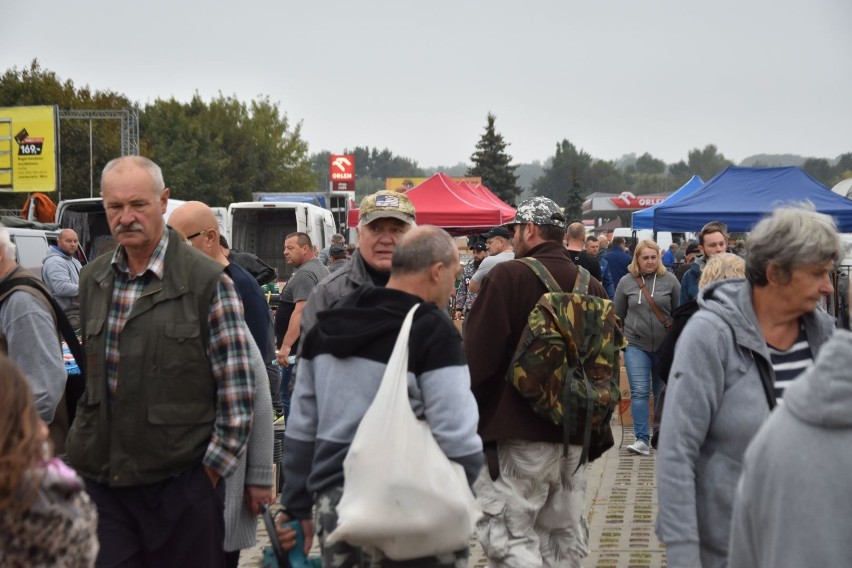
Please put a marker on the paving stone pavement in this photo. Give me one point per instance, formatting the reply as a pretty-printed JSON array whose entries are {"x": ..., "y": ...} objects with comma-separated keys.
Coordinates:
[{"x": 621, "y": 505}]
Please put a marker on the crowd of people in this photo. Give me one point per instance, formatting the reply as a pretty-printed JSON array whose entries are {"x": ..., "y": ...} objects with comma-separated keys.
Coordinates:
[{"x": 166, "y": 457}]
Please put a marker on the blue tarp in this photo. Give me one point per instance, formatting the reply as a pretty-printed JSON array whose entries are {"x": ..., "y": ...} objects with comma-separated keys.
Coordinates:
[
  {"x": 644, "y": 219},
  {"x": 740, "y": 197}
]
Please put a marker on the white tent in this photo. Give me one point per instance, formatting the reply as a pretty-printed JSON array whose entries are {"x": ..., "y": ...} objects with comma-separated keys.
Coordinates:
[{"x": 844, "y": 188}]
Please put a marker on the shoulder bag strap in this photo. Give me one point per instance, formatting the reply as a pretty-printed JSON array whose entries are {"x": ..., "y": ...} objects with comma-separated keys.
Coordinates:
[{"x": 652, "y": 303}]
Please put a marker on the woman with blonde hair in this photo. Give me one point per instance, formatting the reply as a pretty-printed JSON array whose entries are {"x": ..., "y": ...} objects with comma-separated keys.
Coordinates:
[
  {"x": 644, "y": 300},
  {"x": 46, "y": 518}
]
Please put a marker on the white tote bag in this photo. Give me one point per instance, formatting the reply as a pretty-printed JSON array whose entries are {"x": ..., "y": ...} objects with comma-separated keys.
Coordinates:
[{"x": 401, "y": 493}]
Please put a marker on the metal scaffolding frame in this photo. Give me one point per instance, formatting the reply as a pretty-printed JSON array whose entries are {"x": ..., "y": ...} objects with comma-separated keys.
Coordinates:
[{"x": 129, "y": 118}]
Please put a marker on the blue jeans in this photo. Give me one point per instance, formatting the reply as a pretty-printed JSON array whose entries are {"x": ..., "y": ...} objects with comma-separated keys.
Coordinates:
[{"x": 639, "y": 364}]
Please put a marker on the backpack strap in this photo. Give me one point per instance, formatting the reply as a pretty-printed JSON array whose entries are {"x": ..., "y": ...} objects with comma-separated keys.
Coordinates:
[
  {"x": 543, "y": 274},
  {"x": 581, "y": 284},
  {"x": 37, "y": 289}
]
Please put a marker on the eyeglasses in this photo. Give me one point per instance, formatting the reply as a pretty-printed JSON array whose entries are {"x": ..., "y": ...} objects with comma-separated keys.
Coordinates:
[{"x": 193, "y": 235}]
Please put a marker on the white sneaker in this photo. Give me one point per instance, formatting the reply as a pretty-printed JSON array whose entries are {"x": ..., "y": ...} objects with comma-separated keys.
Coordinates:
[{"x": 640, "y": 448}]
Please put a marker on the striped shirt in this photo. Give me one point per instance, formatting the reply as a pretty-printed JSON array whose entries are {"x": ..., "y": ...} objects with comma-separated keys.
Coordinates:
[
  {"x": 789, "y": 364},
  {"x": 227, "y": 350}
]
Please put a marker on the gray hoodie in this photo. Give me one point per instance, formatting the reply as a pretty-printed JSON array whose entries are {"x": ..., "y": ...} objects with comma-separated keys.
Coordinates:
[
  {"x": 61, "y": 274},
  {"x": 641, "y": 327},
  {"x": 715, "y": 402},
  {"x": 793, "y": 505}
]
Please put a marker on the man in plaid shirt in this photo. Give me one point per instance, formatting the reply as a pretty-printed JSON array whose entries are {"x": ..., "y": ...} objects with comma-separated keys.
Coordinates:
[{"x": 167, "y": 408}]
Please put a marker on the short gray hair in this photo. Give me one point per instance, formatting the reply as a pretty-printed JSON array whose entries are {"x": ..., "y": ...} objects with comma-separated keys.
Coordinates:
[
  {"x": 153, "y": 170},
  {"x": 422, "y": 247},
  {"x": 7, "y": 245},
  {"x": 791, "y": 237}
]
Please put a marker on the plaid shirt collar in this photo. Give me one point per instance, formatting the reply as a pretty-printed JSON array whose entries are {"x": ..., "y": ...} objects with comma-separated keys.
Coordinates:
[{"x": 155, "y": 265}]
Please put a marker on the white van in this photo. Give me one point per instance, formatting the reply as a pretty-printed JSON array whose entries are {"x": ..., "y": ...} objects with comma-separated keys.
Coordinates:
[
  {"x": 31, "y": 246},
  {"x": 663, "y": 240},
  {"x": 260, "y": 227},
  {"x": 88, "y": 219}
]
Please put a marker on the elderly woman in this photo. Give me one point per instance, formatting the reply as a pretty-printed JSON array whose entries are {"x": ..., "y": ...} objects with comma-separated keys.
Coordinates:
[
  {"x": 731, "y": 364},
  {"x": 644, "y": 300}
]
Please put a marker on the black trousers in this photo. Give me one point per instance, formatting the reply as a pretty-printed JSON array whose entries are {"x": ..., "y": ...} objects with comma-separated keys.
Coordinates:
[{"x": 175, "y": 522}]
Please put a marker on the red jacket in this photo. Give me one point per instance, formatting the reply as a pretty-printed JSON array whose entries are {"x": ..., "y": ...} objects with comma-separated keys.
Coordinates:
[{"x": 493, "y": 329}]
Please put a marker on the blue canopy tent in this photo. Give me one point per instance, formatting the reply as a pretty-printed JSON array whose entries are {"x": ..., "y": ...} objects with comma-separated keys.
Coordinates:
[
  {"x": 740, "y": 197},
  {"x": 644, "y": 219}
]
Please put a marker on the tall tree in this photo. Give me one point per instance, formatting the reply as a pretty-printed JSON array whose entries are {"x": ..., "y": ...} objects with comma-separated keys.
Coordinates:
[
  {"x": 707, "y": 162},
  {"x": 564, "y": 179},
  {"x": 493, "y": 164},
  {"x": 648, "y": 164},
  {"x": 819, "y": 169}
]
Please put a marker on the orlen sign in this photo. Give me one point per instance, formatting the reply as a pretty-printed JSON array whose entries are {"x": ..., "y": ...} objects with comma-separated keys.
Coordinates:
[
  {"x": 342, "y": 172},
  {"x": 627, "y": 200}
]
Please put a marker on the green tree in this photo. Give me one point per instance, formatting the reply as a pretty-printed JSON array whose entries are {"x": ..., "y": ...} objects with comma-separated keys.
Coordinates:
[
  {"x": 707, "y": 162},
  {"x": 605, "y": 176},
  {"x": 680, "y": 173},
  {"x": 565, "y": 173},
  {"x": 648, "y": 164},
  {"x": 819, "y": 169},
  {"x": 225, "y": 150},
  {"x": 842, "y": 169},
  {"x": 34, "y": 86},
  {"x": 493, "y": 164}
]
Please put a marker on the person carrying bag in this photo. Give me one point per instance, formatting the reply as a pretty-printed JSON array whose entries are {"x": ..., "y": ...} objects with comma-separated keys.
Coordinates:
[{"x": 382, "y": 439}]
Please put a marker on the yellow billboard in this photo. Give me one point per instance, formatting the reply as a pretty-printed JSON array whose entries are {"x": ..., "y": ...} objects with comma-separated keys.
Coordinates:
[
  {"x": 28, "y": 149},
  {"x": 404, "y": 184}
]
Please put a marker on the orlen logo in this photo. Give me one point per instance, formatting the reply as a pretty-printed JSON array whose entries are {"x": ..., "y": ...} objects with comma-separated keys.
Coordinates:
[
  {"x": 342, "y": 168},
  {"x": 627, "y": 200}
]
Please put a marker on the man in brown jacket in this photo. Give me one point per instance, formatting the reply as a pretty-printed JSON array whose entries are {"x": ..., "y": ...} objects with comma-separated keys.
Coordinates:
[{"x": 534, "y": 489}]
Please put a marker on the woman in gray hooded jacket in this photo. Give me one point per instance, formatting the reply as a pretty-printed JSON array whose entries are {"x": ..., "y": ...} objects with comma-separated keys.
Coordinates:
[
  {"x": 644, "y": 331},
  {"x": 731, "y": 363}
]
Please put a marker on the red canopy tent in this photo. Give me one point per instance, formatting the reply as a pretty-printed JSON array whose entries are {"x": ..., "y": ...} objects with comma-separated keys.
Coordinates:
[
  {"x": 488, "y": 197},
  {"x": 442, "y": 202}
]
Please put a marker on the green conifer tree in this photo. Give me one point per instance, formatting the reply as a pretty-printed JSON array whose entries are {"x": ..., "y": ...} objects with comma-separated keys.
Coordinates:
[{"x": 493, "y": 164}]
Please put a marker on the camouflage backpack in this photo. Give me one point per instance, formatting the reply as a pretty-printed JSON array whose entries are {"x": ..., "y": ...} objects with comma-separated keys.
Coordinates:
[{"x": 566, "y": 363}]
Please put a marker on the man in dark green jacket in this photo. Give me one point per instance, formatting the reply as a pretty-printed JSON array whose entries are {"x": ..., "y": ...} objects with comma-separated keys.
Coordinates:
[{"x": 167, "y": 407}]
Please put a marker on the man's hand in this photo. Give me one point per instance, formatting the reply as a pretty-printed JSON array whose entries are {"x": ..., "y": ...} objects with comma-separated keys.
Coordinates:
[
  {"x": 287, "y": 536},
  {"x": 255, "y": 496},
  {"x": 283, "y": 356},
  {"x": 213, "y": 475}
]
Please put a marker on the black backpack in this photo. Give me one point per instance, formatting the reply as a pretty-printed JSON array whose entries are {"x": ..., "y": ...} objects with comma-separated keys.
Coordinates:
[{"x": 75, "y": 384}]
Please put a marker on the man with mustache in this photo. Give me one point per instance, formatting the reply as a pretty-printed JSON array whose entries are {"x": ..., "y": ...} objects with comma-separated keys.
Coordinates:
[{"x": 168, "y": 403}]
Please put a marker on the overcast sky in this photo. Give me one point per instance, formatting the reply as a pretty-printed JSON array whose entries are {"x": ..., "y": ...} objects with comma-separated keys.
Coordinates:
[{"x": 611, "y": 76}]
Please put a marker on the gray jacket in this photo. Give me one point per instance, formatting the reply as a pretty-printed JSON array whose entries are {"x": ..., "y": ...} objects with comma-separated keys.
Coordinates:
[
  {"x": 333, "y": 287},
  {"x": 792, "y": 505},
  {"x": 641, "y": 327},
  {"x": 61, "y": 275},
  {"x": 715, "y": 403},
  {"x": 255, "y": 464}
]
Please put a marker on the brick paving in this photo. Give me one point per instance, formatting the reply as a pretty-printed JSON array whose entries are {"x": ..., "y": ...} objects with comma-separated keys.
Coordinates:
[{"x": 621, "y": 505}]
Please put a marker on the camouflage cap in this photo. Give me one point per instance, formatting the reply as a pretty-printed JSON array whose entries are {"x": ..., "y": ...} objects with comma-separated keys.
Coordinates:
[
  {"x": 540, "y": 211},
  {"x": 386, "y": 204}
]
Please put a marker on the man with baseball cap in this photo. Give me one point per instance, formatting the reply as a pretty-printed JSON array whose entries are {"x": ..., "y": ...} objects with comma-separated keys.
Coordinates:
[
  {"x": 692, "y": 250},
  {"x": 464, "y": 297},
  {"x": 532, "y": 497},
  {"x": 499, "y": 241},
  {"x": 383, "y": 218}
]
